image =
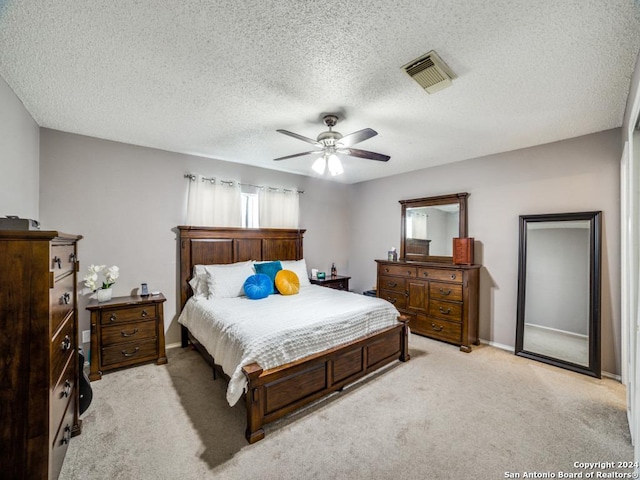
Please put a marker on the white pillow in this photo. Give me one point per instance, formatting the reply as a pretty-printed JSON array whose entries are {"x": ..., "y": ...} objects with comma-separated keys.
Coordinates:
[
  {"x": 300, "y": 269},
  {"x": 198, "y": 282},
  {"x": 226, "y": 281}
]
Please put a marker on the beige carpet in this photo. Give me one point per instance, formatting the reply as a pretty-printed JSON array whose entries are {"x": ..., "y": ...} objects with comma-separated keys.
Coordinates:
[{"x": 443, "y": 415}]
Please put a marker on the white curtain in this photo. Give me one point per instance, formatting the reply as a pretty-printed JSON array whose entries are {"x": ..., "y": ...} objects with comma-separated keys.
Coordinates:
[
  {"x": 213, "y": 204},
  {"x": 278, "y": 208}
]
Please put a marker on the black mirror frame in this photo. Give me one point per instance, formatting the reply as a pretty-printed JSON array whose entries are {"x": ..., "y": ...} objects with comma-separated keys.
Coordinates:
[
  {"x": 595, "y": 254},
  {"x": 459, "y": 198}
]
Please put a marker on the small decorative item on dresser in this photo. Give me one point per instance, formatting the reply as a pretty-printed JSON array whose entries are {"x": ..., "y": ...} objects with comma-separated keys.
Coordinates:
[
  {"x": 321, "y": 275},
  {"x": 334, "y": 271},
  {"x": 104, "y": 292},
  {"x": 392, "y": 255},
  {"x": 463, "y": 251}
]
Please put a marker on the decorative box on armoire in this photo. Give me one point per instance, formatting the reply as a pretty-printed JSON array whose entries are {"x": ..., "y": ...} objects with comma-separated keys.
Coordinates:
[{"x": 39, "y": 396}]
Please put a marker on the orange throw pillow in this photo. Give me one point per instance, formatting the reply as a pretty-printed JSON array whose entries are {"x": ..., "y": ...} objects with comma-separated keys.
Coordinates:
[{"x": 287, "y": 282}]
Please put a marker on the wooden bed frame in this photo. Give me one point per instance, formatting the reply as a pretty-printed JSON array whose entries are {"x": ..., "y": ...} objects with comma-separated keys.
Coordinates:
[{"x": 273, "y": 393}]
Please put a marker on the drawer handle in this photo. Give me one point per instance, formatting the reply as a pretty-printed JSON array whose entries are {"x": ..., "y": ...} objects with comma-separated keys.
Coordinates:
[
  {"x": 66, "y": 343},
  {"x": 392, "y": 300},
  {"x": 437, "y": 328},
  {"x": 392, "y": 284},
  {"x": 67, "y": 389},
  {"x": 448, "y": 292},
  {"x": 144, "y": 313},
  {"x": 130, "y": 354},
  {"x": 66, "y": 437},
  {"x": 113, "y": 317},
  {"x": 72, "y": 258},
  {"x": 386, "y": 270},
  {"x": 408, "y": 272},
  {"x": 446, "y": 312},
  {"x": 453, "y": 276},
  {"x": 125, "y": 334},
  {"x": 425, "y": 274},
  {"x": 65, "y": 299},
  {"x": 57, "y": 261}
]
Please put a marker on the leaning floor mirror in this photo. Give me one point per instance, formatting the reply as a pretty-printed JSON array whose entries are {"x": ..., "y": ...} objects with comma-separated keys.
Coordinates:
[{"x": 558, "y": 319}]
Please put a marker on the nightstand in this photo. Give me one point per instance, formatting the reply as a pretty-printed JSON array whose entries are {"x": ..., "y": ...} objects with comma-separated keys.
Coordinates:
[
  {"x": 338, "y": 282},
  {"x": 126, "y": 331}
]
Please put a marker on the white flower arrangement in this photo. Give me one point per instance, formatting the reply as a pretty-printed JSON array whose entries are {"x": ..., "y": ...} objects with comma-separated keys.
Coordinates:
[{"x": 110, "y": 276}]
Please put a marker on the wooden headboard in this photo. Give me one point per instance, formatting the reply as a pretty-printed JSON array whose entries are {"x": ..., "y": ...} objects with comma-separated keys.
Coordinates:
[{"x": 220, "y": 245}]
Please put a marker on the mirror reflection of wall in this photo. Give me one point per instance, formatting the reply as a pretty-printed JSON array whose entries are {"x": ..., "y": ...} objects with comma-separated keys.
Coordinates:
[
  {"x": 439, "y": 224},
  {"x": 557, "y": 279},
  {"x": 558, "y": 319}
]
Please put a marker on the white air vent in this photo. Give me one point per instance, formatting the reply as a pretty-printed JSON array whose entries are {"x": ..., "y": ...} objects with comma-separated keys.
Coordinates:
[{"x": 430, "y": 72}]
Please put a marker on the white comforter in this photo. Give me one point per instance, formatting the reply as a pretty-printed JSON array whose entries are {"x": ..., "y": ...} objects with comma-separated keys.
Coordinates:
[{"x": 280, "y": 329}]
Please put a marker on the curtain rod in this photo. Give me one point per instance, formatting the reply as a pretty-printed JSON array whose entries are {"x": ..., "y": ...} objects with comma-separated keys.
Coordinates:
[{"x": 192, "y": 177}]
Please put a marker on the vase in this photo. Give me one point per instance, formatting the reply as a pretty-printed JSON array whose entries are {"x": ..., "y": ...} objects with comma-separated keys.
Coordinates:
[{"x": 103, "y": 294}]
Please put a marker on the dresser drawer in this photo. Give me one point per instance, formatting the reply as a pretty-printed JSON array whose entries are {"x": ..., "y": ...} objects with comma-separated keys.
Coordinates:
[
  {"x": 446, "y": 310},
  {"x": 399, "y": 300},
  {"x": 402, "y": 270},
  {"x": 61, "y": 441},
  {"x": 438, "y": 329},
  {"x": 119, "y": 315},
  {"x": 445, "y": 291},
  {"x": 394, "y": 284},
  {"x": 61, "y": 394},
  {"x": 438, "y": 274},
  {"x": 128, "y": 353},
  {"x": 62, "y": 347},
  {"x": 63, "y": 259},
  {"x": 128, "y": 332},
  {"x": 62, "y": 300}
]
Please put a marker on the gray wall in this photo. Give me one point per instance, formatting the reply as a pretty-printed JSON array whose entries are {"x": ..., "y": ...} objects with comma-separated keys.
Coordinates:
[
  {"x": 127, "y": 201},
  {"x": 19, "y": 157},
  {"x": 579, "y": 174}
]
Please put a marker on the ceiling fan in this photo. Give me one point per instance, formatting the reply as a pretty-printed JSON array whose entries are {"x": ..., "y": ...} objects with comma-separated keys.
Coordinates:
[{"x": 330, "y": 143}]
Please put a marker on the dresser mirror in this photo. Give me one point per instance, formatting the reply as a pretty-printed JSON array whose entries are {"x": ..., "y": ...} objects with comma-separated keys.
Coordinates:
[
  {"x": 558, "y": 317},
  {"x": 429, "y": 226}
]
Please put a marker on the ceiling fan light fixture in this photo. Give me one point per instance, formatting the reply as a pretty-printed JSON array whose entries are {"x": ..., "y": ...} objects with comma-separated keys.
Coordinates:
[
  {"x": 319, "y": 165},
  {"x": 335, "y": 165}
]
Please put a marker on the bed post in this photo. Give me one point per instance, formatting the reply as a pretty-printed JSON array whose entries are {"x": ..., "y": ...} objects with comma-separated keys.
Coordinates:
[
  {"x": 254, "y": 401},
  {"x": 404, "y": 347}
]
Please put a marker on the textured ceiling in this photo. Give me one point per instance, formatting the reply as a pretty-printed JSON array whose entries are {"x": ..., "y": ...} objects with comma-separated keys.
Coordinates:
[{"x": 217, "y": 78}]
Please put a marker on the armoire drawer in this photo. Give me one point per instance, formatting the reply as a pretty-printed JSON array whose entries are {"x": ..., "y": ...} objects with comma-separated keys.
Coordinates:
[
  {"x": 398, "y": 299},
  {"x": 446, "y": 310},
  {"x": 395, "y": 284},
  {"x": 436, "y": 328},
  {"x": 400, "y": 270},
  {"x": 62, "y": 299},
  {"x": 62, "y": 394},
  {"x": 63, "y": 259},
  {"x": 440, "y": 274},
  {"x": 62, "y": 347}
]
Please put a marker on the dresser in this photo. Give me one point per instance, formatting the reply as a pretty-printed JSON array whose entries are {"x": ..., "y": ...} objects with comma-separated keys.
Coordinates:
[
  {"x": 38, "y": 351},
  {"x": 337, "y": 282},
  {"x": 126, "y": 331},
  {"x": 440, "y": 300}
]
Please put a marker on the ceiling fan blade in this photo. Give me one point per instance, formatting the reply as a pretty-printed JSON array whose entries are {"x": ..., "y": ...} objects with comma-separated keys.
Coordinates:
[
  {"x": 354, "y": 152},
  {"x": 297, "y": 155},
  {"x": 356, "y": 137},
  {"x": 301, "y": 137}
]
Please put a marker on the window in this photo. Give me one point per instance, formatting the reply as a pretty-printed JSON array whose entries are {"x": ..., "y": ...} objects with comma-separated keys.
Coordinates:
[{"x": 250, "y": 211}]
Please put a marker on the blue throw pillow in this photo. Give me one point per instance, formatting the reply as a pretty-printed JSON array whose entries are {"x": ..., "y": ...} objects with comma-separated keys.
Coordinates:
[
  {"x": 257, "y": 286},
  {"x": 270, "y": 269}
]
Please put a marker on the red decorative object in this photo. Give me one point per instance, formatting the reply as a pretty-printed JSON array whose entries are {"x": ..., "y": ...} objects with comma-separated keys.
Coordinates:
[{"x": 463, "y": 251}]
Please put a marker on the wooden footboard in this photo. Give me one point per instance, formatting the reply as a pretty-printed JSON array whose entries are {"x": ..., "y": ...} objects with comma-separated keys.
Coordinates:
[{"x": 273, "y": 393}]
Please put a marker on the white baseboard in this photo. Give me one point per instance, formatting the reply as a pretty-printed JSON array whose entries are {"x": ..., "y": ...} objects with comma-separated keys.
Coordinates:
[{"x": 173, "y": 345}]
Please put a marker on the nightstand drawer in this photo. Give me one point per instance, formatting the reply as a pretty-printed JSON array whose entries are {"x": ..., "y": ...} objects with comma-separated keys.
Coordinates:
[
  {"x": 119, "y": 315},
  {"x": 128, "y": 332},
  {"x": 128, "y": 353}
]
